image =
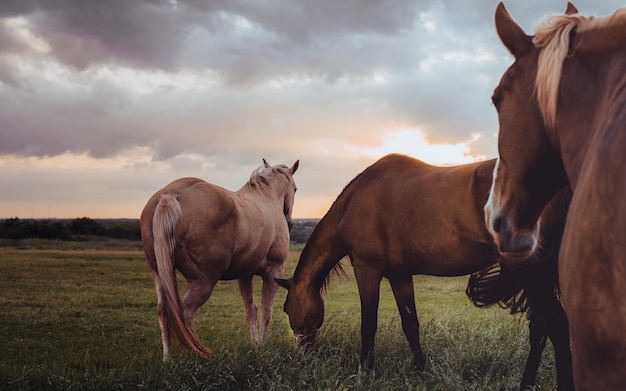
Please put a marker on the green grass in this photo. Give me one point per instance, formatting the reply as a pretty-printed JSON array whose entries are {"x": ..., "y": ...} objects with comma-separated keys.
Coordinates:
[{"x": 81, "y": 316}]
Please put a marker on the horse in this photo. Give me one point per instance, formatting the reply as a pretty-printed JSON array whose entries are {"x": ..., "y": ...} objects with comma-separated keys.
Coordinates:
[
  {"x": 562, "y": 121},
  {"x": 208, "y": 234},
  {"x": 397, "y": 218}
]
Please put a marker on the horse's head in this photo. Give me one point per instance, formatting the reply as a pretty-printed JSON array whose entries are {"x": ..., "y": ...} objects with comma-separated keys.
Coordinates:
[
  {"x": 305, "y": 308},
  {"x": 288, "y": 192},
  {"x": 529, "y": 170}
]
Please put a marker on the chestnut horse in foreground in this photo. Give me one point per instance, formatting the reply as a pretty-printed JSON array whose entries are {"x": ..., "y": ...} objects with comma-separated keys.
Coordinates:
[
  {"x": 210, "y": 234},
  {"x": 398, "y": 218},
  {"x": 562, "y": 114}
]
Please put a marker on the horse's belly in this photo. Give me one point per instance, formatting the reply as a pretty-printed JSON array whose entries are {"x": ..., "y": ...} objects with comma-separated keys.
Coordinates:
[
  {"x": 240, "y": 269},
  {"x": 244, "y": 266},
  {"x": 446, "y": 262}
]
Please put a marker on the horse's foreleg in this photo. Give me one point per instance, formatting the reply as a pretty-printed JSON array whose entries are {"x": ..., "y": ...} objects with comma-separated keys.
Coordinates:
[
  {"x": 247, "y": 294},
  {"x": 403, "y": 291},
  {"x": 538, "y": 337},
  {"x": 558, "y": 332},
  {"x": 368, "y": 282},
  {"x": 166, "y": 337}
]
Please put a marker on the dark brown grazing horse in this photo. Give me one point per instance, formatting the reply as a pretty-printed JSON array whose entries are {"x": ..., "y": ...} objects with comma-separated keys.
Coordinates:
[
  {"x": 562, "y": 114},
  {"x": 370, "y": 222},
  {"x": 209, "y": 234},
  {"x": 533, "y": 287}
]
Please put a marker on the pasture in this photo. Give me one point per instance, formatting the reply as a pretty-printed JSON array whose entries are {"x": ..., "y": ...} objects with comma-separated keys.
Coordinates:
[{"x": 82, "y": 315}]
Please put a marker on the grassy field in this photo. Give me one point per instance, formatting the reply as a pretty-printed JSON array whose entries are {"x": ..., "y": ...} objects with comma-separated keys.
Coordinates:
[{"x": 83, "y": 316}]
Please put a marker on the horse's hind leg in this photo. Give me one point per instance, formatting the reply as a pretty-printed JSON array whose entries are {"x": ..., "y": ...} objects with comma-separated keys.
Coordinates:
[
  {"x": 270, "y": 287},
  {"x": 197, "y": 293},
  {"x": 246, "y": 289},
  {"x": 405, "y": 298},
  {"x": 538, "y": 337}
]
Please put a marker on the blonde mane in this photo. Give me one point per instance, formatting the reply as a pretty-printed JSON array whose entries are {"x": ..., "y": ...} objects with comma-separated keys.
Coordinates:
[
  {"x": 552, "y": 36},
  {"x": 260, "y": 176}
]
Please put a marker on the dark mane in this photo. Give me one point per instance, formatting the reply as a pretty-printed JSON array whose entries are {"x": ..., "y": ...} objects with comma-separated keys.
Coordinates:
[{"x": 346, "y": 188}]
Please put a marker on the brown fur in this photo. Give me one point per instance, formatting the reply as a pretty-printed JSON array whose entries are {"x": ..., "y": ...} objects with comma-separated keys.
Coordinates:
[
  {"x": 209, "y": 234},
  {"x": 397, "y": 218},
  {"x": 585, "y": 149}
]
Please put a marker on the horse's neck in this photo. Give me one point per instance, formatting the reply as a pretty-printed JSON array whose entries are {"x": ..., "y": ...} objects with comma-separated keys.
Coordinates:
[
  {"x": 321, "y": 254},
  {"x": 256, "y": 192}
]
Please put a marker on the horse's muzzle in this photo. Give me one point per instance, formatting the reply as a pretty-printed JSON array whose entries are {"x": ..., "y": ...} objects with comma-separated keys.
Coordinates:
[{"x": 512, "y": 243}]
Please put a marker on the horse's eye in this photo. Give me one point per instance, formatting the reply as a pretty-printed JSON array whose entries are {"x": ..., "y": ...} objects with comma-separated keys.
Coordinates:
[{"x": 496, "y": 100}]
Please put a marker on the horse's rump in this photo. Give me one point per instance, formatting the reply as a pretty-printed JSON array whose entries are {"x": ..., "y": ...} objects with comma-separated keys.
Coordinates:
[{"x": 166, "y": 215}]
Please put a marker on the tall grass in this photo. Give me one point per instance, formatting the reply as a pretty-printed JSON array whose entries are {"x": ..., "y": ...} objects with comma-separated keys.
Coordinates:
[{"x": 85, "y": 318}]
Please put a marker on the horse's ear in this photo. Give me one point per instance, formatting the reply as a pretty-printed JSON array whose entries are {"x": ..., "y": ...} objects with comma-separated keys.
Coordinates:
[
  {"x": 294, "y": 168},
  {"x": 266, "y": 164},
  {"x": 510, "y": 33},
  {"x": 285, "y": 283},
  {"x": 571, "y": 9}
]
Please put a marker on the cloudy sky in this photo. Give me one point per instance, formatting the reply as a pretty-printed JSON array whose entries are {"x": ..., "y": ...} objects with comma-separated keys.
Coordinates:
[{"x": 103, "y": 102}]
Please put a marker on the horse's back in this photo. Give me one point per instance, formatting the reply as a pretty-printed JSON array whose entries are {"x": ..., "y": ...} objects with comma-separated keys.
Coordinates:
[
  {"x": 199, "y": 200},
  {"x": 412, "y": 214}
]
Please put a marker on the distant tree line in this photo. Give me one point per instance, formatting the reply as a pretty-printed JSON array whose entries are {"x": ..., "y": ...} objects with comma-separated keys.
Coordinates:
[
  {"x": 302, "y": 230},
  {"x": 76, "y": 229},
  {"x": 84, "y": 228}
]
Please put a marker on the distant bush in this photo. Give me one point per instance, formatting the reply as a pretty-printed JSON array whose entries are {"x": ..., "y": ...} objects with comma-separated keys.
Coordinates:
[
  {"x": 302, "y": 230},
  {"x": 15, "y": 228},
  {"x": 76, "y": 229},
  {"x": 124, "y": 230},
  {"x": 84, "y": 228}
]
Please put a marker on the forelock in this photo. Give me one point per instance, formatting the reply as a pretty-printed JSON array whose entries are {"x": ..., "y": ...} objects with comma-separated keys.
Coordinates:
[{"x": 552, "y": 36}]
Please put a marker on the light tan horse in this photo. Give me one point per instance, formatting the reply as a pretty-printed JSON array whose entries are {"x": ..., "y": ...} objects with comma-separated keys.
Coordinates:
[{"x": 208, "y": 234}]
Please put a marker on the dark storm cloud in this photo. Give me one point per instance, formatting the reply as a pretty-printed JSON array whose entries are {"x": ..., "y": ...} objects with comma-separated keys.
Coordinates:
[
  {"x": 104, "y": 101},
  {"x": 163, "y": 34},
  {"x": 441, "y": 58}
]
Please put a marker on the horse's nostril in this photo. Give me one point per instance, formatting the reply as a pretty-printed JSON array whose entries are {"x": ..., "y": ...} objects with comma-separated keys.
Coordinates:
[{"x": 498, "y": 224}]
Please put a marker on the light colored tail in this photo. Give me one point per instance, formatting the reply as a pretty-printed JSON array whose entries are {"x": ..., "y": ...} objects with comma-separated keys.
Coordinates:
[{"x": 166, "y": 216}]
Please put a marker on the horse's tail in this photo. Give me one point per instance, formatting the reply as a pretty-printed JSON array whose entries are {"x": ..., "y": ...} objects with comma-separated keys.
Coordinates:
[
  {"x": 530, "y": 288},
  {"x": 493, "y": 285},
  {"x": 166, "y": 216}
]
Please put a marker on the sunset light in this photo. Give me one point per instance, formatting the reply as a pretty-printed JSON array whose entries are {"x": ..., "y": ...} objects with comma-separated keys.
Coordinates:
[{"x": 99, "y": 112}]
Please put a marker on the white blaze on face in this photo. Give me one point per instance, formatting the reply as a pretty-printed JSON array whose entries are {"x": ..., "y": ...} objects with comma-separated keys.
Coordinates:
[{"x": 490, "y": 205}]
